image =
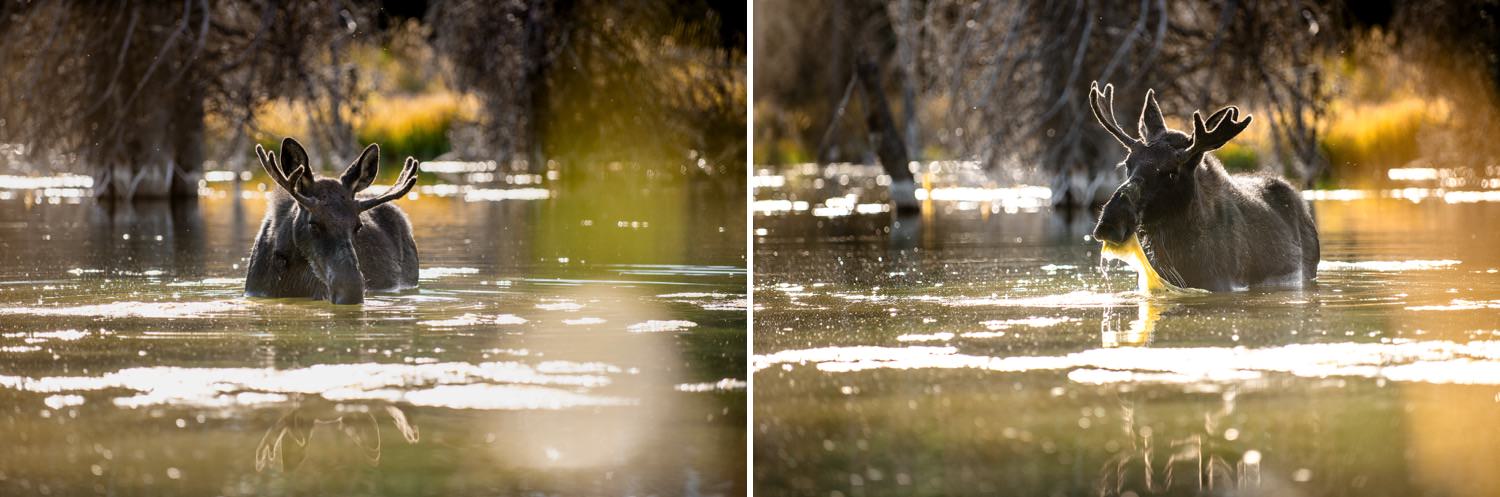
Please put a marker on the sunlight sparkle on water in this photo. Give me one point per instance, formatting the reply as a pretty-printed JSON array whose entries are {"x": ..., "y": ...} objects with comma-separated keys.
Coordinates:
[
  {"x": 723, "y": 385},
  {"x": 451, "y": 384},
  {"x": 659, "y": 326},
  {"x": 1417, "y": 361},
  {"x": 1412, "y": 265},
  {"x": 428, "y": 273},
  {"x": 166, "y": 310}
]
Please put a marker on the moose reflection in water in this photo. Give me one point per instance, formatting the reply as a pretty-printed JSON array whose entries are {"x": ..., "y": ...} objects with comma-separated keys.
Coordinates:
[
  {"x": 285, "y": 444},
  {"x": 318, "y": 240},
  {"x": 1185, "y": 459},
  {"x": 1195, "y": 224}
]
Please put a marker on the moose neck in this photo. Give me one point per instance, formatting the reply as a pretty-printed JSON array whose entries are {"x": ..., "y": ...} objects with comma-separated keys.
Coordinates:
[
  {"x": 1198, "y": 210},
  {"x": 1174, "y": 243}
]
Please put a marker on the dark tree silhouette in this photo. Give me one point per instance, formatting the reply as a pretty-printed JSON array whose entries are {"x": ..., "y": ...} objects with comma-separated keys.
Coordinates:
[
  {"x": 1011, "y": 77},
  {"x": 124, "y": 92},
  {"x": 601, "y": 81}
]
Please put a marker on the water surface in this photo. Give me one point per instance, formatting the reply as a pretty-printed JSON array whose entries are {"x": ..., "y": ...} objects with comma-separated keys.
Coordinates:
[
  {"x": 980, "y": 348},
  {"x": 585, "y": 339}
]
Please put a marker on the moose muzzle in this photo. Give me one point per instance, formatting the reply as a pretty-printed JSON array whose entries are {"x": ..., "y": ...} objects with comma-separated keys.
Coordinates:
[
  {"x": 1118, "y": 218},
  {"x": 346, "y": 285}
]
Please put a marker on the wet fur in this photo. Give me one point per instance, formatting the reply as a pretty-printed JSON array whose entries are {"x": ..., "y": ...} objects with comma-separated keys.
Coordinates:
[
  {"x": 1199, "y": 226},
  {"x": 384, "y": 247},
  {"x": 1235, "y": 232},
  {"x": 320, "y": 239}
]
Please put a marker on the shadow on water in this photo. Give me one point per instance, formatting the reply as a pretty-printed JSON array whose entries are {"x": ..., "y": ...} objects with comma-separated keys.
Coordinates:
[{"x": 141, "y": 235}]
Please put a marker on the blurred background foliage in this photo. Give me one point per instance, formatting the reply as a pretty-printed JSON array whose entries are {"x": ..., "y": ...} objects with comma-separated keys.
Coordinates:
[
  {"x": 144, "y": 96},
  {"x": 1341, "y": 91}
]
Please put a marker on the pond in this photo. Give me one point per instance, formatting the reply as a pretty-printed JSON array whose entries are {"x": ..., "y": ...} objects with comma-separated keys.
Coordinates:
[
  {"x": 583, "y": 337},
  {"x": 980, "y": 347}
]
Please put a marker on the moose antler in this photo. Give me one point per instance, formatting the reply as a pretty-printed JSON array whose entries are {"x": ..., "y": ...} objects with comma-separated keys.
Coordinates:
[
  {"x": 1226, "y": 125},
  {"x": 1103, "y": 105},
  {"x": 286, "y": 182},
  {"x": 404, "y": 183}
]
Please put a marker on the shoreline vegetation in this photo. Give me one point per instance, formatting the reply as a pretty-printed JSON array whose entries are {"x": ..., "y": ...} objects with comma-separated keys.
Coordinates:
[
  {"x": 1367, "y": 88},
  {"x": 142, "y": 95}
]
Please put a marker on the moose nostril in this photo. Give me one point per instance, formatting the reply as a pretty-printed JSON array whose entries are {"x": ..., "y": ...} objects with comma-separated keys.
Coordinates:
[
  {"x": 344, "y": 296},
  {"x": 348, "y": 299},
  {"x": 1114, "y": 233}
]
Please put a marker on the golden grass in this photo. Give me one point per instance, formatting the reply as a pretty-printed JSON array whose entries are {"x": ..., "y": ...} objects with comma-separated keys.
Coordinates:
[
  {"x": 1238, "y": 157},
  {"x": 403, "y": 125},
  {"x": 413, "y": 125},
  {"x": 1380, "y": 135}
]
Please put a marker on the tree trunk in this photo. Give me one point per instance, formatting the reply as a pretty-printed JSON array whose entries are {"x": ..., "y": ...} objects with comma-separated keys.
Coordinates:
[
  {"x": 906, "y": 39},
  {"x": 538, "y": 62},
  {"x": 887, "y": 140},
  {"x": 187, "y": 141}
]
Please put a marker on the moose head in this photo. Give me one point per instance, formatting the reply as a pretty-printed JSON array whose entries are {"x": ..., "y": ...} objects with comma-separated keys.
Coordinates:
[
  {"x": 1160, "y": 163},
  {"x": 325, "y": 221}
]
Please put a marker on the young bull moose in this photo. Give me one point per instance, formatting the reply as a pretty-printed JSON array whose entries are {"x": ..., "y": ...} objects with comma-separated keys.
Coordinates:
[
  {"x": 1196, "y": 225},
  {"x": 319, "y": 240}
]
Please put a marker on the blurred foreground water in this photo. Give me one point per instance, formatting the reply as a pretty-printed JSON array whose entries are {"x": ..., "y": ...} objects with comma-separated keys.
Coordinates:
[
  {"x": 980, "y": 348},
  {"x": 573, "y": 339}
]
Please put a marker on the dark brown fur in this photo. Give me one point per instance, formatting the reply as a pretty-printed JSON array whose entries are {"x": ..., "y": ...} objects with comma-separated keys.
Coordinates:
[
  {"x": 319, "y": 240},
  {"x": 1200, "y": 226}
]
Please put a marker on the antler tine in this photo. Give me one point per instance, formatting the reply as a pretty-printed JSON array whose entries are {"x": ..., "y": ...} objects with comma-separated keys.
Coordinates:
[
  {"x": 404, "y": 184},
  {"x": 1102, "y": 103},
  {"x": 1226, "y": 124},
  {"x": 408, "y": 169},
  {"x": 1218, "y": 116},
  {"x": 268, "y": 161}
]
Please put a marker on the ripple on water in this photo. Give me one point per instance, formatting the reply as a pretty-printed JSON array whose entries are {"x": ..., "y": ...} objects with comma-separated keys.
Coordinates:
[
  {"x": 564, "y": 306},
  {"x": 677, "y": 270},
  {"x": 210, "y": 282},
  {"x": 1476, "y": 363},
  {"x": 1080, "y": 298},
  {"x": 1033, "y": 322},
  {"x": 1458, "y": 305},
  {"x": 1386, "y": 266},
  {"x": 433, "y": 384},
  {"x": 45, "y": 336},
  {"x": 709, "y": 301},
  {"x": 428, "y": 273},
  {"x": 724, "y": 385},
  {"x": 659, "y": 326},
  {"x": 925, "y": 337},
  {"x": 509, "y": 319},
  {"x": 468, "y": 319},
  {"x": 506, "y": 398},
  {"x": 162, "y": 310}
]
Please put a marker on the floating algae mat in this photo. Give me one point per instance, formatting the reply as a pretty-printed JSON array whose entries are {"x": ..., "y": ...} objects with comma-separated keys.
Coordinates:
[{"x": 1133, "y": 255}]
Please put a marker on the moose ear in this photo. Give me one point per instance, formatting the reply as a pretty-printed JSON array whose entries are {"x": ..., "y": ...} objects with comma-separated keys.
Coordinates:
[
  {"x": 293, "y": 156},
  {"x": 1152, "y": 122},
  {"x": 361, "y": 172}
]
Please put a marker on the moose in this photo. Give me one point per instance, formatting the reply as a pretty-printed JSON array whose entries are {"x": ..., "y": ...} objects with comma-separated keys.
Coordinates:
[
  {"x": 320, "y": 240},
  {"x": 1197, "y": 225}
]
